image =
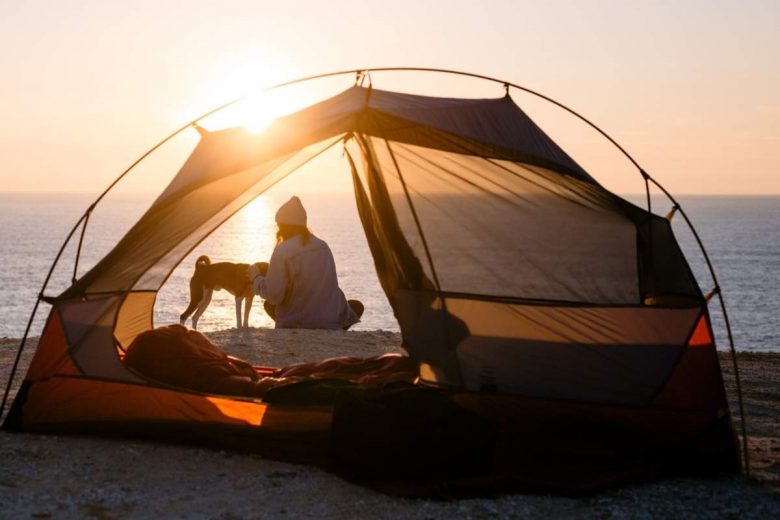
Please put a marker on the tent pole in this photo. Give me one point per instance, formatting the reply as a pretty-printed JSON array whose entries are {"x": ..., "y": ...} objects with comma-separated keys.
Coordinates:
[
  {"x": 506, "y": 84},
  {"x": 649, "y": 219},
  {"x": 359, "y": 71},
  {"x": 647, "y": 180},
  {"x": 732, "y": 349},
  {"x": 34, "y": 311},
  {"x": 415, "y": 217},
  {"x": 18, "y": 358},
  {"x": 195, "y": 121},
  {"x": 446, "y": 314},
  {"x": 81, "y": 241}
]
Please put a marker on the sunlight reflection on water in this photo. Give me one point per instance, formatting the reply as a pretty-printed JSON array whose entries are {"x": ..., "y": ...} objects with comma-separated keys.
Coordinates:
[
  {"x": 35, "y": 225},
  {"x": 250, "y": 237}
]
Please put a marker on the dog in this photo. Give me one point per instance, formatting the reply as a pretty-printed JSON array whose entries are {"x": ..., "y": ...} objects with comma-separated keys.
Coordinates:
[{"x": 210, "y": 277}]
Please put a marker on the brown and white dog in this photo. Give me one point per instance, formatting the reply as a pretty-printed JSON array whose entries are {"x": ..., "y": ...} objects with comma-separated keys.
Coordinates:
[{"x": 210, "y": 277}]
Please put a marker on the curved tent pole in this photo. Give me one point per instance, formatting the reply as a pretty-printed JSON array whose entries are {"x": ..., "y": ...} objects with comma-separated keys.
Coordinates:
[
  {"x": 81, "y": 242},
  {"x": 360, "y": 75},
  {"x": 648, "y": 179},
  {"x": 717, "y": 291},
  {"x": 362, "y": 71},
  {"x": 85, "y": 217},
  {"x": 35, "y": 310}
]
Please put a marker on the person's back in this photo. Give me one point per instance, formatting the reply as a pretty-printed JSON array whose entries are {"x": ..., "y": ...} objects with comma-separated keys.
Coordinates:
[
  {"x": 301, "y": 285},
  {"x": 313, "y": 298}
]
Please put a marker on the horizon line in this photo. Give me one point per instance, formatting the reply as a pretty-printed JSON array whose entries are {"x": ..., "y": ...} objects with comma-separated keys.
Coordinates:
[{"x": 637, "y": 193}]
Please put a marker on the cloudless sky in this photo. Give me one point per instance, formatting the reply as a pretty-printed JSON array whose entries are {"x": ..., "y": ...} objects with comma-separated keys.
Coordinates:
[{"x": 690, "y": 88}]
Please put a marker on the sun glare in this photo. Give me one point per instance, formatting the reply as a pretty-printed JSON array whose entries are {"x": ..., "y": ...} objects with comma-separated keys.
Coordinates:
[
  {"x": 258, "y": 115},
  {"x": 262, "y": 109},
  {"x": 238, "y": 76},
  {"x": 254, "y": 113}
]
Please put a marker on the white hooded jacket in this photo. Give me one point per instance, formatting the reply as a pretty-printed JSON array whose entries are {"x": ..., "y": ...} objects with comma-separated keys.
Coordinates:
[{"x": 302, "y": 283}]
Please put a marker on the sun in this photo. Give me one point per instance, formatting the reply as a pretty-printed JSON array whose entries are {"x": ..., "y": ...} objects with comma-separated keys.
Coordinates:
[
  {"x": 246, "y": 78},
  {"x": 260, "y": 110},
  {"x": 258, "y": 114},
  {"x": 255, "y": 112}
]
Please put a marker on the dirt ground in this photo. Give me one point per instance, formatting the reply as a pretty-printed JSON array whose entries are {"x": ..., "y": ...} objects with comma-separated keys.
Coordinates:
[{"x": 45, "y": 476}]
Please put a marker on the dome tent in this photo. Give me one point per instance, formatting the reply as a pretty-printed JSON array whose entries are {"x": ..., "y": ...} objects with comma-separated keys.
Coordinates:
[{"x": 524, "y": 289}]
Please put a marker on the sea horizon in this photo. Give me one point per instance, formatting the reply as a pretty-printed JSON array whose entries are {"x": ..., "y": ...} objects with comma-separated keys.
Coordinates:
[{"x": 735, "y": 229}]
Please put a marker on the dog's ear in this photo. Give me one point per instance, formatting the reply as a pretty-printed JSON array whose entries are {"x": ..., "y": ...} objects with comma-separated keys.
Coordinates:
[{"x": 263, "y": 267}]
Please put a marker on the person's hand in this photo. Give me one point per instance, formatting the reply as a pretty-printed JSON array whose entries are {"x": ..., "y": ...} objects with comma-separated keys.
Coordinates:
[{"x": 253, "y": 272}]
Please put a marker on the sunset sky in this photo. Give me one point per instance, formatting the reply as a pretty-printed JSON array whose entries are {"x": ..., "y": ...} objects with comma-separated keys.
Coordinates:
[{"x": 690, "y": 88}]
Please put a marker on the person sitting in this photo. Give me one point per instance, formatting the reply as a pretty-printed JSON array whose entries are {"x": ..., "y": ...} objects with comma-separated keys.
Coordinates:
[{"x": 301, "y": 288}]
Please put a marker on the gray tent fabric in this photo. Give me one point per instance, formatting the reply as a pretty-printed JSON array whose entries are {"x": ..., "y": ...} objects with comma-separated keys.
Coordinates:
[{"x": 474, "y": 216}]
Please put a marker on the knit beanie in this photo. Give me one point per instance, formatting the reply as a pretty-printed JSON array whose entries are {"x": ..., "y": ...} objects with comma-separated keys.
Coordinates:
[{"x": 292, "y": 213}]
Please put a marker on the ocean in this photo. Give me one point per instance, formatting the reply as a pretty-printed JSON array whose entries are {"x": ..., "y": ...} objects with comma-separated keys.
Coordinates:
[{"x": 741, "y": 234}]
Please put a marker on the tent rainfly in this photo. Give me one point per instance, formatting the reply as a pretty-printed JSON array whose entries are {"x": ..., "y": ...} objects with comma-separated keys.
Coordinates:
[{"x": 561, "y": 337}]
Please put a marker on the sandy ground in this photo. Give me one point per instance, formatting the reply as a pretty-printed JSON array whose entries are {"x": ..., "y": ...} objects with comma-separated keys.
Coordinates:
[{"x": 83, "y": 477}]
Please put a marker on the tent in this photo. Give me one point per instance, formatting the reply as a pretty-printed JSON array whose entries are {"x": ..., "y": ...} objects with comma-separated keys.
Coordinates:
[{"x": 559, "y": 326}]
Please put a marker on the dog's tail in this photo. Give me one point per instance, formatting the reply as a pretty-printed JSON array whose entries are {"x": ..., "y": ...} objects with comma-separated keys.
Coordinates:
[
  {"x": 196, "y": 295},
  {"x": 202, "y": 260},
  {"x": 196, "y": 288}
]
